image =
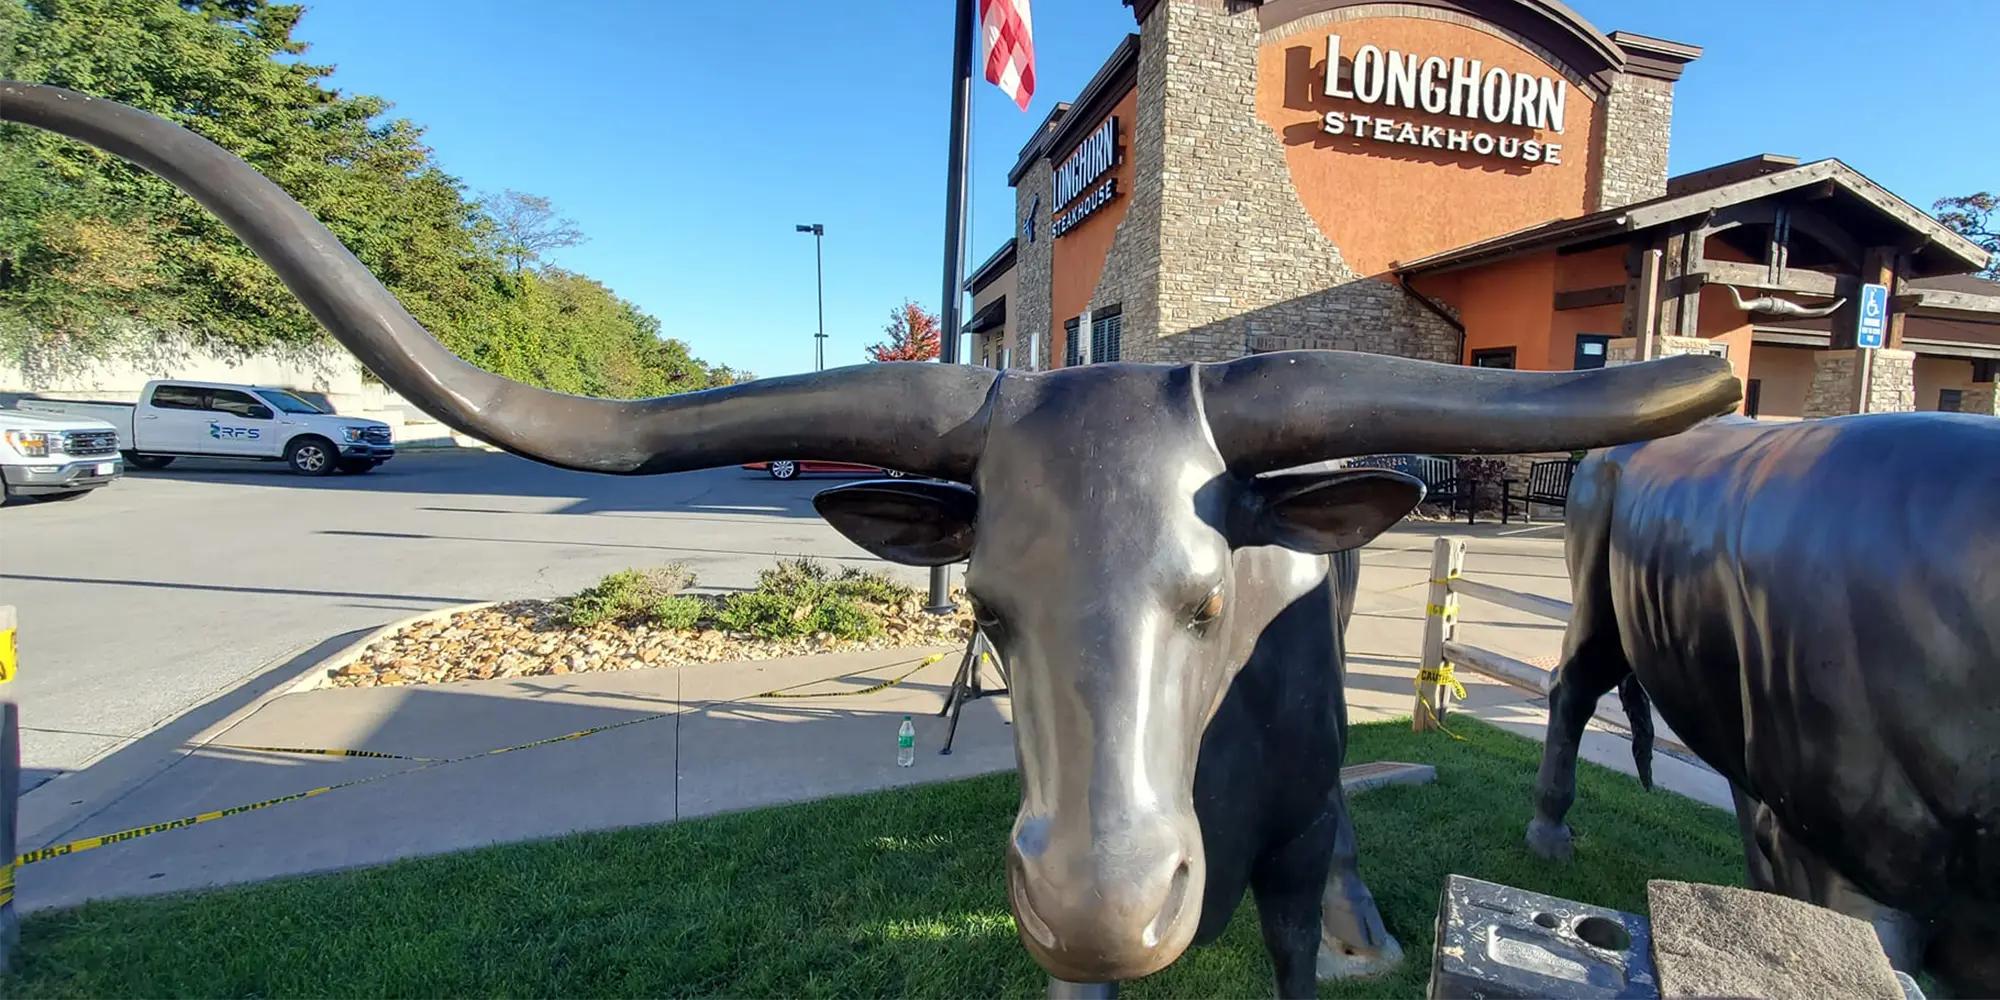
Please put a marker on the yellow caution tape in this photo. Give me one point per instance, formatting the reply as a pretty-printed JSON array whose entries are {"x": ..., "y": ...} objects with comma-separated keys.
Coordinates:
[
  {"x": 315, "y": 751},
  {"x": 791, "y": 692},
  {"x": 1447, "y": 609},
  {"x": 1442, "y": 676},
  {"x": 122, "y": 836},
  {"x": 8, "y": 656}
]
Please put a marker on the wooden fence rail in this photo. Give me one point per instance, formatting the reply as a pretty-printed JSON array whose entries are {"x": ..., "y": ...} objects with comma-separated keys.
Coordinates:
[{"x": 1443, "y": 652}]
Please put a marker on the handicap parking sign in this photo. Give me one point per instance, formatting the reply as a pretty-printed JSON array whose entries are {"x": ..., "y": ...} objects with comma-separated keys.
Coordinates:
[{"x": 1874, "y": 319}]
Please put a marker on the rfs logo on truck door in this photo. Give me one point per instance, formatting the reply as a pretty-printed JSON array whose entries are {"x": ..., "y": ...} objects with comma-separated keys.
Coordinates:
[{"x": 243, "y": 433}]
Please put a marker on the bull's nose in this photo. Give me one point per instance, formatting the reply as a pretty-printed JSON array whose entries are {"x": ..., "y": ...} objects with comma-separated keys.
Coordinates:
[{"x": 1120, "y": 908}]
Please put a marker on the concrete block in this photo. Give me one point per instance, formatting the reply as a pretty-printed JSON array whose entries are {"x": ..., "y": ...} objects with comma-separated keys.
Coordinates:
[
  {"x": 1722, "y": 941},
  {"x": 1496, "y": 941}
]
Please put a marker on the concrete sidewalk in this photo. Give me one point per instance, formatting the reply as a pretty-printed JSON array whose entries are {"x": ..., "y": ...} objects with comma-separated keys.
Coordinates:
[{"x": 688, "y": 742}]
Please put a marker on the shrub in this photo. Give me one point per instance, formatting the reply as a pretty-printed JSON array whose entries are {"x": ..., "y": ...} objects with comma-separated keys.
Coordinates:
[
  {"x": 626, "y": 595},
  {"x": 874, "y": 587},
  {"x": 799, "y": 597},
  {"x": 681, "y": 611}
]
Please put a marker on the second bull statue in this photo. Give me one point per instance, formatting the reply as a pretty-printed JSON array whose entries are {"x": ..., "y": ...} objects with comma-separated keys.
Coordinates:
[{"x": 1166, "y": 604}]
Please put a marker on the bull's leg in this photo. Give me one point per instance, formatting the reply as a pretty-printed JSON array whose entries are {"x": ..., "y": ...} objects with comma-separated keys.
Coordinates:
[
  {"x": 1756, "y": 857},
  {"x": 1592, "y": 665},
  {"x": 1779, "y": 864},
  {"x": 1287, "y": 884},
  {"x": 1353, "y": 940}
]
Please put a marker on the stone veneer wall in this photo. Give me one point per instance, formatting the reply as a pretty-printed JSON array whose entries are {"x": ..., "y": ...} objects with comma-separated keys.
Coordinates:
[
  {"x": 1219, "y": 258},
  {"x": 1637, "y": 116},
  {"x": 1982, "y": 398},
  {"x": 1131, "y": 276},
  {"x": 1034, "y": 267},
  {"x": 1892, "y": 386}
]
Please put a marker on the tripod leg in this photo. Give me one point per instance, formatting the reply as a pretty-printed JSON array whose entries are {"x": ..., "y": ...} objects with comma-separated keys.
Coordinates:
[{"x": 966, "y": 665}]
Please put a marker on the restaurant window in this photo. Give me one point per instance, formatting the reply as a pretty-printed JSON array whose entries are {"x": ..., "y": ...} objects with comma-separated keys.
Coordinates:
[
  {"x": 1072, "y": 345},
  {"x": 1982, "y": 369},
  {"x": 1493, "y": 357},
  {"x": 1590, "y": 351},
  {"x": 1753, "y": 394},
  {"x": 1949, "y": 399},
  {"x": 1106, "y": 333}
]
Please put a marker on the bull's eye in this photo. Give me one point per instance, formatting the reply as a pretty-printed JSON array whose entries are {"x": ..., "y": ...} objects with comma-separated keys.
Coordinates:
[{"x": 1210, "y": 608}]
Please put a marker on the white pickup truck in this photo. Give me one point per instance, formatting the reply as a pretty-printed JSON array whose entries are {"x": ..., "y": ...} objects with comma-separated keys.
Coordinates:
[
  {"x": 176, "y": 419},
  {"x": 55, "y": 458}
]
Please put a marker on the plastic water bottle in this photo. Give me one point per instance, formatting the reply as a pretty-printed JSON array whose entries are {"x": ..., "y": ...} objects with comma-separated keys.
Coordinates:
[{"x": 906, "y": 744}]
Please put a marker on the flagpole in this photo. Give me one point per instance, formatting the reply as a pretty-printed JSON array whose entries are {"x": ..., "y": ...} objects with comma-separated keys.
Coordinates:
[{"x": 954, "y": 245}]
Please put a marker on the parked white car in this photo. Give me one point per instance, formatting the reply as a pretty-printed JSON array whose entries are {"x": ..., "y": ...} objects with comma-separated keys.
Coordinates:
[
  {"x": 176, "y": 419},
  {"x": 60, "y": 458}
]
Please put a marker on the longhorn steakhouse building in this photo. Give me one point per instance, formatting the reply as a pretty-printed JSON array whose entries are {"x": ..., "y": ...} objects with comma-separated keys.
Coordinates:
[{"x": 1474, "y": 181}]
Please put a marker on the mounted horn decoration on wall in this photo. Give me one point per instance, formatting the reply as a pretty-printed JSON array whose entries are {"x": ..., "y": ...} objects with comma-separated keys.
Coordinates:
[{"x": 1771, "y": 305}]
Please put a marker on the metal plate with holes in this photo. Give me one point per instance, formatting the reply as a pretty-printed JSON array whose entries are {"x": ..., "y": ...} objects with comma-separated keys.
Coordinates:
[{"x": 1496, "y": 941}]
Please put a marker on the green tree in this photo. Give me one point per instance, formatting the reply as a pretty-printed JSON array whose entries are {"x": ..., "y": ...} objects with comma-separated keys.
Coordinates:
[
  {"x": 1972, "y": 216},
  {"x": 95, "y": 253}
]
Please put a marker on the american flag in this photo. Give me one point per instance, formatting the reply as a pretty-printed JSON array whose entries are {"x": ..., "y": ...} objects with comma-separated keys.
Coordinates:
[{"x": 1007, "y": 47}]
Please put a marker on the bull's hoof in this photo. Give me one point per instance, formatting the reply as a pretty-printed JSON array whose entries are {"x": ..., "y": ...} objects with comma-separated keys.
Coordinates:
[
  {"x": 1550, "y": 840},
  {"x": 1340, "y": 960}
]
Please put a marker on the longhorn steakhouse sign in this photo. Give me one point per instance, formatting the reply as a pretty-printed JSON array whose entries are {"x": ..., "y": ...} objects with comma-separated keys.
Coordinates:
[
  {"x": 1094, "y": 157},
  {"x": 1458, "y": 87}
]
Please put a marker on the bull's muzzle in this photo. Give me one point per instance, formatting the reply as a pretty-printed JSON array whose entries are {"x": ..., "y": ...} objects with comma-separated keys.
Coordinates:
[{"x": 1109, "y": 906}]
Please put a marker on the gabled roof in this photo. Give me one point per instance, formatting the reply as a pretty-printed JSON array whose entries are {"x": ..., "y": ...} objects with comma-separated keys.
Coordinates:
[{"x": 1942, "y": 251}]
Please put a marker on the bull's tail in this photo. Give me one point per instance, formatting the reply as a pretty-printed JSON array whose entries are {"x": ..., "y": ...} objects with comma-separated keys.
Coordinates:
[{"x": 1639, "y": 713}]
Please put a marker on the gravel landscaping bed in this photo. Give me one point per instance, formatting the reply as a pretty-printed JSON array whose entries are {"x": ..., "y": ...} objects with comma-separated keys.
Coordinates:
[{"x": 646, "y": 619}]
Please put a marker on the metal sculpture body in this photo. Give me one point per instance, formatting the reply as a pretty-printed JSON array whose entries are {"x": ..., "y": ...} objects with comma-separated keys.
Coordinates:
[
  {"x": 1815, "y": 608},
  {"x": 1168, "y": 612}
]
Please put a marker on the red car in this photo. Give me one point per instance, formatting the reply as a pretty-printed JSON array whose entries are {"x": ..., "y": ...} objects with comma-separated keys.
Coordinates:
[{"x": 787, "y": 469}]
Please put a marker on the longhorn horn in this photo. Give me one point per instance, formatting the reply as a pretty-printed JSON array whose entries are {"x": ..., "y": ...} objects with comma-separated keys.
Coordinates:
[
  {"x": 1771, "y": 305},
  {"x": 923, "y": 418},
  {"x": 1291, "y": 408}
]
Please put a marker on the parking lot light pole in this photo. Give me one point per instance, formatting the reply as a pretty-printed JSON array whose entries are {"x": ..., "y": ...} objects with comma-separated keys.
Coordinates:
[{"x": 819, "y": 273}]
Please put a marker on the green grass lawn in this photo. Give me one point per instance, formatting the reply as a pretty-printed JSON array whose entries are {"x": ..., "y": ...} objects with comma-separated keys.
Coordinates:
[{"x": 892, "y": 894}]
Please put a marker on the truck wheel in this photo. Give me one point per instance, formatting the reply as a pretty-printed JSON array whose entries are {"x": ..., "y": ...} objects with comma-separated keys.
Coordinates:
[
  {"x": 138, "y": 461},
  {"x": 784, "y": 469},
  {"x": 311, "y": 456}
]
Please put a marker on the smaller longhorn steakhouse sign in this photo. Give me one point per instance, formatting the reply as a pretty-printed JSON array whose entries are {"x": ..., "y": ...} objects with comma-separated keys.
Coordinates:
[
  {"x": 1459, "y": 87},
  {"x": 1094, "y": 157}
]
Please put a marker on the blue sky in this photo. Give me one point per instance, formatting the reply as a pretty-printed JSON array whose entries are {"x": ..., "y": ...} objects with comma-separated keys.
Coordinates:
[{"x": 687, "y": 139}]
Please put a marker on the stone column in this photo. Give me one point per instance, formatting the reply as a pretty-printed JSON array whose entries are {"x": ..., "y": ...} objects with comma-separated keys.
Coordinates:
[
  {"x": 1982, "y": 398},
  {"x": 1892, "y": 383},
  {"x": 1638, "y": 115},
  {"x": 1034, "y": 268}
]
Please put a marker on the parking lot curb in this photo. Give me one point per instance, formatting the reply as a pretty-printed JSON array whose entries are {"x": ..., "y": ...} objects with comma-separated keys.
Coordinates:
[{"x": 320, "y": 674}]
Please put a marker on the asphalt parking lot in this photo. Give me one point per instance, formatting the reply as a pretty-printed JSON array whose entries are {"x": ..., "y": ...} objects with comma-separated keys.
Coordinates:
[
  {"x": 169, "y": 589},
  {"x": 178, "y": 595}
]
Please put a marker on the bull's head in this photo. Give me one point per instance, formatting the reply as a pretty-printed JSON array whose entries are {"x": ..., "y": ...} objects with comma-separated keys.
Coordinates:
[{"x": 1104, "y": 510}]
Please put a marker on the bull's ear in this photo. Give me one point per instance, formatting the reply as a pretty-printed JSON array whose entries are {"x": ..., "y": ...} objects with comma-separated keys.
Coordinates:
[
  {"x": 920, "y": 523},
  {"x": 1326, "y": 512}
]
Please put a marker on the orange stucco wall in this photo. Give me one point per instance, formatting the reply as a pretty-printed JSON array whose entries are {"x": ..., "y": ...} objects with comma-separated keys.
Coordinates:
[
  {"x": 1506, "y": 305},
  {"x": 1576, "y": 272},
  {"x": 1932, "y": 374},
  {"x": 1080, "y": 253},
  {"x": 1784, "y": 375},
  {"x": 1383, "y": 202}
]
